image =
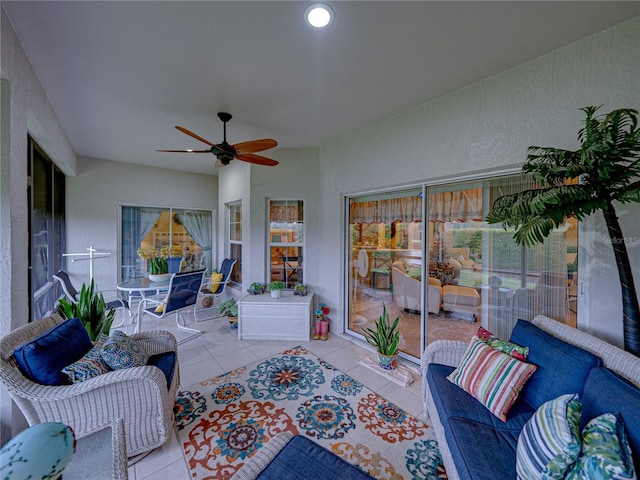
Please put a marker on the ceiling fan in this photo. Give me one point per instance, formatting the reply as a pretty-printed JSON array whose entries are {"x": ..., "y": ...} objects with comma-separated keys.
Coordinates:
[{"x": 224, "y": 152}]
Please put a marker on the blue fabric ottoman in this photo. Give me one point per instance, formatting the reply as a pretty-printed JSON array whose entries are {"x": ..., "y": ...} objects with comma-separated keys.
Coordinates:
[{"x": 301, "y": 458}]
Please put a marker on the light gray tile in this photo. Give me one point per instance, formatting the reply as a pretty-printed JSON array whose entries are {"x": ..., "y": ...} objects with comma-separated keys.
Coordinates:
[
  {"x": 161, "y": 460},
  {"x": 236, "y": 359},
  {"x": 198, "y": 372}
]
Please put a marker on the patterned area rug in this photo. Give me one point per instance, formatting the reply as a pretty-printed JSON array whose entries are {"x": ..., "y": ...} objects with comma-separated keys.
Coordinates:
[{"x": 225, "y": 420}]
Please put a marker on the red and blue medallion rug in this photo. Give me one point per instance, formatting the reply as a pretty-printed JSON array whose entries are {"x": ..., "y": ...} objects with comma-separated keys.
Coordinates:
[{"x": 225, "y": 420}]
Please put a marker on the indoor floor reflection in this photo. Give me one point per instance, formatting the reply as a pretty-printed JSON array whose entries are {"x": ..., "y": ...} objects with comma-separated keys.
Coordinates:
[{"x": 439, "y": 326}]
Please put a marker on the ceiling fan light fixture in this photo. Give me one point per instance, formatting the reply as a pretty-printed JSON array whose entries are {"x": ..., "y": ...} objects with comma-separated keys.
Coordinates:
[{"x": 318, "y": 15}]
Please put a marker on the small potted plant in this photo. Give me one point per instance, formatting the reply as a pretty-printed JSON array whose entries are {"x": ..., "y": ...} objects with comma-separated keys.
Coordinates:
[
  {"x": 300, "y": 289},
  {"x": 276, "y": 288},
  {"x": 385, "y": 338},
  {"x": 256, "y": 288},
  {"x": 230, "y": 309}
]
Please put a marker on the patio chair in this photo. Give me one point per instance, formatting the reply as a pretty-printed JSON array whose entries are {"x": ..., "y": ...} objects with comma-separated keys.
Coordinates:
[
  {"x": 72, "y": 294},
  {"x": 214, "y": 290},
  {"x": 182, "y": 294}
]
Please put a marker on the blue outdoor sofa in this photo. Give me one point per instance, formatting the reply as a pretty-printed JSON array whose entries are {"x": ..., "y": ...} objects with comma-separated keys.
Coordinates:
[{"x": 477, "y": 445}]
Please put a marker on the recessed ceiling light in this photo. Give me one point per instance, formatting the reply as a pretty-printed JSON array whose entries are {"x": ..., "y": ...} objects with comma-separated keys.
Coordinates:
[{"x": 318, "y": 15}]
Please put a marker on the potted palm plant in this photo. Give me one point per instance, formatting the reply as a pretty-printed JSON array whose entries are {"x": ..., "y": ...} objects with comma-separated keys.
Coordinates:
[
  {"x": 91, "y": 309},
  {"x": 385, "y": 338},
  {"x": 276, "y": 288},
  {"x": 230, "y": 309},
  {"x": 608, "y": 166}
]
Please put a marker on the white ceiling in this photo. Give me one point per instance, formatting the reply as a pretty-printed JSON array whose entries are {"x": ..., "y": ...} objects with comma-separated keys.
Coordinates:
[{"x": 120, "y": 75}]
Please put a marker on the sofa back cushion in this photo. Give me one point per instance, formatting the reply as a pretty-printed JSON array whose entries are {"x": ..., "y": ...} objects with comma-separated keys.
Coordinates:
[
  {"x": 607, "y": 392},
  {"x": 562, "y": 367},
  {"x": 42, "y": 359}
]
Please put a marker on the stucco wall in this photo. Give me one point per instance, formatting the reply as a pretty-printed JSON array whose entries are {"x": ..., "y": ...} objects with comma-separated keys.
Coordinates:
[
  {"x": 488, "y": 126},
  {"x": 295, "y": 178},
  {"x": 100, "y": 187}
]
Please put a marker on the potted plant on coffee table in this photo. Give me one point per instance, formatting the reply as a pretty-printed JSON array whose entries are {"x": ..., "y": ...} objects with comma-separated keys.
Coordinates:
[
  {"x": 385, "y": 338},
  {"x": 230, "y": 309},
  {"x": 276, "y": 288}
]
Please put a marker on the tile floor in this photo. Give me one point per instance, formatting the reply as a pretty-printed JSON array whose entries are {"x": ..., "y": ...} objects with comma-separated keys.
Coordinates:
[{"x": 218, "y": 351}]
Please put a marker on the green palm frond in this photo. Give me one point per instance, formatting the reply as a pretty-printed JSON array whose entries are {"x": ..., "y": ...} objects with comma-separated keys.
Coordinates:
[{"x": 607, "y": 164}]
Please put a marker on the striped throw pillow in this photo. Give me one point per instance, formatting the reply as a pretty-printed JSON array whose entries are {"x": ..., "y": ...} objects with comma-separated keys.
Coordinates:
[
  {"x": 491, "y": 377},
  {"x": 549, "y": 442}
]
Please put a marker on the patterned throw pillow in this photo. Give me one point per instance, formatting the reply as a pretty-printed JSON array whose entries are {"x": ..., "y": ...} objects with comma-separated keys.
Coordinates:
[
  {"x": 510, "y": 348},
  {"x": 605, "y": 451},
  {"x": 491, "y": 377},
  {"x": 120, "y": 351},
  {"x": 550, "y": 441},
  {"x": 89, "y": 366}
]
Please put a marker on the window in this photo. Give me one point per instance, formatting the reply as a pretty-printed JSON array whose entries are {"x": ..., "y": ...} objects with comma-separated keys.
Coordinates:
[
  {"x": 234, "y": 246},
  {"x": 187, "y": 232},
  {"x": 286, "y": 241},
  {"x": 46, "y": 193}
]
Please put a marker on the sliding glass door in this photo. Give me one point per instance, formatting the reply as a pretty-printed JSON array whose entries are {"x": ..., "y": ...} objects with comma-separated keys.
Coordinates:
[{"x": 472, "y": 274}]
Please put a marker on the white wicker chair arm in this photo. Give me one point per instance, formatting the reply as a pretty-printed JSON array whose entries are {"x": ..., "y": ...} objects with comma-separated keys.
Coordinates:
[
  {"x": 148, "y": 374},
  {"x": 445, "y": 352}
]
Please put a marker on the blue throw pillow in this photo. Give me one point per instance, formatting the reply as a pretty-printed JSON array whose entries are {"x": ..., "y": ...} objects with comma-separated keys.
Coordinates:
[
  {"x": 42, "y": 359},
  {"x": 120, "y": 351}
]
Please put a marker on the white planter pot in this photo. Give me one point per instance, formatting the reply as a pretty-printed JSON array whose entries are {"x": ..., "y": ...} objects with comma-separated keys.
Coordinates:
[{"x": 275, "y": 293}]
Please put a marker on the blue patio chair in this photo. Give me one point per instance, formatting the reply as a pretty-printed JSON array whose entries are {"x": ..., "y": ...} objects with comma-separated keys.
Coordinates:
[
  {"x": 182, "y": 294},
  {"x": 214, "y": 290}
]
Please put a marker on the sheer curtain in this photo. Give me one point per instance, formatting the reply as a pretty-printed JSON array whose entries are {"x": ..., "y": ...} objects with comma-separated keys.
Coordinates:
[
  {"x": 148, "y": 218},
  {"x": 198, "y": 225},
  {"x": 137, "y": 222},
  {"x": 513, "y": 281}
]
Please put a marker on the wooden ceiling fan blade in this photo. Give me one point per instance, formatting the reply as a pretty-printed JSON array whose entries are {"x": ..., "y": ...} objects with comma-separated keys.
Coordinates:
[
  {"x": 257, "y": 159},
  {"x": 185, "y": 151},
  {"x": 255, "y": 146},
  {"x": 194, "y": 135}
]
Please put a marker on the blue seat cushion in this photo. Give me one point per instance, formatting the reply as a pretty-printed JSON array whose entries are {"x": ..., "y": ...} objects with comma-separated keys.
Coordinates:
[
  {"x": 562, "y": 367},
  {"x": 480, "y": 451},
  {"x": 453, "y": 401},
  {"x": 303, "y": 458},
  {"x": 607, "y": 392},
  {"x": 165, "y": 362},
  {"x": 42, "y": 359}
]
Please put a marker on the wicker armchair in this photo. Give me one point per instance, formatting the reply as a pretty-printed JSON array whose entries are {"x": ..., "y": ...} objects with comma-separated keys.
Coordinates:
[{"x": 138, "y": 395}]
